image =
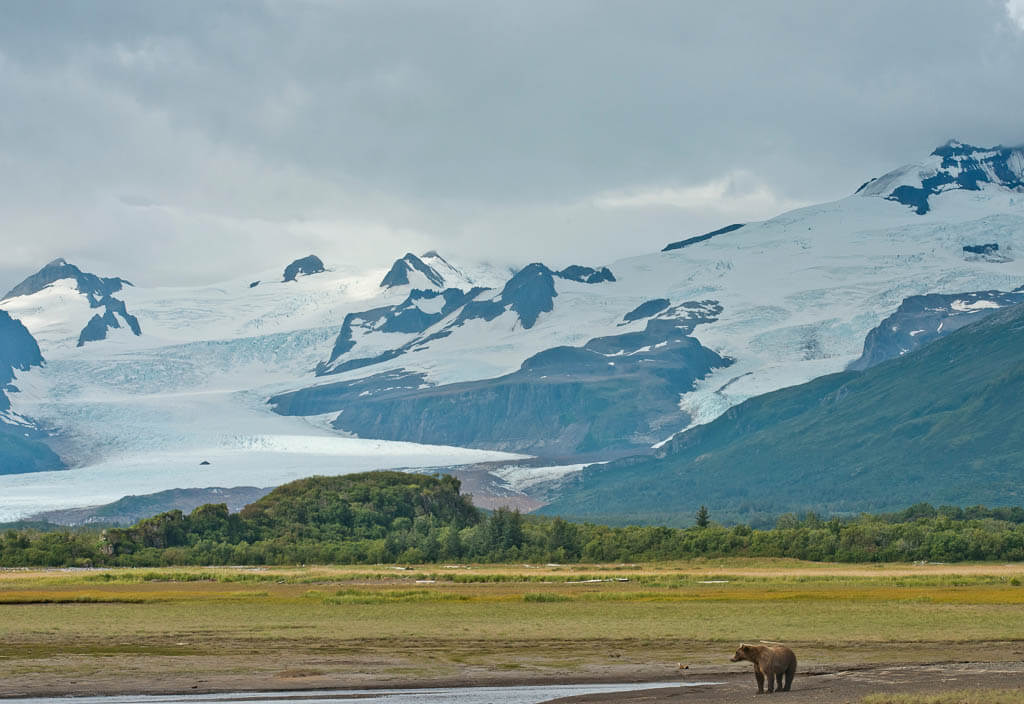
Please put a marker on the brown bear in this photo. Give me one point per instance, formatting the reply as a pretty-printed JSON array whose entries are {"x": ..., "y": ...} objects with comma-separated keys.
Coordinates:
[{"x": 771, "y": 660}]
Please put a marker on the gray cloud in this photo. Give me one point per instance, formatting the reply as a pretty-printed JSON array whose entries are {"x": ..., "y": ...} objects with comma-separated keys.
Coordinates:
[{"x": 185, "y": 142}]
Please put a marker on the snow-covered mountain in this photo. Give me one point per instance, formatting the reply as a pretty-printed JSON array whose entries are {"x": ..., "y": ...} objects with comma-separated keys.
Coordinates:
[
  {"x": 61, "y": 302},
  {"x": 781, "y": 301},
  {"x": 953, "y": 166},
  {"x": 132, "y": 414},
  {"x": 268, "y": 377}
]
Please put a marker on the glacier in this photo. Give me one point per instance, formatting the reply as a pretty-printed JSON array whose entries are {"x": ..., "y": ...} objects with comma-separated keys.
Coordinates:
[{"x": 795, "y": 297}]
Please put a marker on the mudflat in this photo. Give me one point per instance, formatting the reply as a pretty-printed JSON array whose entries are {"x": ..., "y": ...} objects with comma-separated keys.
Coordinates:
[
  {"x": 133, "y": 631},
  {"x": 834, "y": 685}
]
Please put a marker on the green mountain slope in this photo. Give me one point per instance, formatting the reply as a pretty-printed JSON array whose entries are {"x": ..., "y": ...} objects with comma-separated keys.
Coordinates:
[{"x": 944, "y": 425}]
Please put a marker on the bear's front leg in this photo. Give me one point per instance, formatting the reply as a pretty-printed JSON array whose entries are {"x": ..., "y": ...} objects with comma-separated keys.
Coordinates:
[{"x": 759, "y": 676}]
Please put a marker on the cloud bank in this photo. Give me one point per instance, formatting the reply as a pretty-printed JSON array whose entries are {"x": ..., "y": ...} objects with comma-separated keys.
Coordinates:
[{"x": 191, "y": 142}]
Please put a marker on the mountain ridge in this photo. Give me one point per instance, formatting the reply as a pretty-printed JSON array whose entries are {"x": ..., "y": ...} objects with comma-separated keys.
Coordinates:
[{"x": 941, "y": 425}]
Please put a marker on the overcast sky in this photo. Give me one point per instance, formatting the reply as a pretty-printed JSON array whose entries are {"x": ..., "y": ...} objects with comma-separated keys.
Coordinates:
[{"x": 190, "y": 142}]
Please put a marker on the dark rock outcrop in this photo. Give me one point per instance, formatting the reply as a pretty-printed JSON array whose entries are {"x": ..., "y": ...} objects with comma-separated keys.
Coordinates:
[
  {"x": 98, "y": 291},
  {"x": 18, "y": 352},
  {"x": 96, "y": 328},
  {"x": 406, "y": 317},
  {"x": 399, "y": 273},
  {"x": 586, "y": 274},
  {"x": 963, "y": 167},
  {"x": 21, "y": 446},
  {"x": 991, "y": 248},
  {"x": 646, "y": 309},
  {"x": 22, "y": 450},
  {"x": 529, "y": 293},
  {"x": 304, "y": 267},
  {"x": 94, "y": 287},
  {"x": 706, "y": 236},
  {"x": 613, "y": 394},
  {"x": 921, "y": 319}
]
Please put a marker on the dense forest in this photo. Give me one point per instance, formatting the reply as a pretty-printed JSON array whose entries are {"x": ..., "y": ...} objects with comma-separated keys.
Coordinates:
[{"x": 388, "y": 517}]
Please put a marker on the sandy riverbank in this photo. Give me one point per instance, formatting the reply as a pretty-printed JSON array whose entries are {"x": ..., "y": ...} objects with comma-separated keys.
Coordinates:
[
  {"x": 837, "y": 685},
  {"x": 821, "y": 684}
]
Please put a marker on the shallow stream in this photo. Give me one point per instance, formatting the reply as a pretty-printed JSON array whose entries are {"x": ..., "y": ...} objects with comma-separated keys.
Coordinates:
[{"x": 534, "y": 694}]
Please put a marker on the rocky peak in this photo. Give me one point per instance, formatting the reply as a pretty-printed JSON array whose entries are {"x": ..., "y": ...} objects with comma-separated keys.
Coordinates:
[
  {"x": 400, "y": 270},
  {"x": 92, "y": 286},
  {"x": 953, "y": 166},
  {"x": 304, "y": 266}
]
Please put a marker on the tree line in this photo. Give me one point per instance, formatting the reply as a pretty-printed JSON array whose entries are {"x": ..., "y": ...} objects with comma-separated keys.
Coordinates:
[{"x": 389, "y": 517}]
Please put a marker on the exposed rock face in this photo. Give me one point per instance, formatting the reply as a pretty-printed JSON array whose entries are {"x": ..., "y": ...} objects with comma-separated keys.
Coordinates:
[
  {"x": 646, "y": 310},
  {"x": 400, "y": 270},
  {"x": 94, "y": 287},
  {"x": 96, "y": 328},
  {"x": 615, "y": 393},
  {"x": 953, "y": 166},
  {"x": 922, "y": 319},
  {"x": 701, "y": 238},
  {"x": 528, "y": 294},
  {"x": 98, "y": 291},
  {"x": 304, "y": 267},
  {"x": 20, "y": 447},
  {"x": 407, "y": 317},
  {"x": 531, "y": 292},
  {"x": 18, "y": 352},
  {"x": 990, "y": 248},
  {"x": 988, "y": 252},
  {"x": 586, "y": 274}
]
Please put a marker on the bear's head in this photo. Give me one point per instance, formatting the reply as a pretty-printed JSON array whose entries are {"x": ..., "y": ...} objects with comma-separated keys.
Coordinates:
[{"x": 744, "y": 652}]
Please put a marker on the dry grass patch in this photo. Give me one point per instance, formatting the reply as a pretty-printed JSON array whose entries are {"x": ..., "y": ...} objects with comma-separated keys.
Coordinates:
[{"x": 976, "y": 696}]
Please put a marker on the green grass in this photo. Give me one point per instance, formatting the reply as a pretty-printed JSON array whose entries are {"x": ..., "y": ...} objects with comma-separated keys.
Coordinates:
[
  {"x": 662, "y": 614},
  {"x": 538, "y": 597},
  {"x": 60, "y": 625}
]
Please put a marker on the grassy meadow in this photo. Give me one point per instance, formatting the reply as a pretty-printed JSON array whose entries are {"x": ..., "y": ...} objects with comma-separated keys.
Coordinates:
[{"x": 357, "y": 625}]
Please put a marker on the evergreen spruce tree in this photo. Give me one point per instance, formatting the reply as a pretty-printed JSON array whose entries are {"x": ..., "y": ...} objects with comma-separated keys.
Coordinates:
[{"x": 702, "y": 517}]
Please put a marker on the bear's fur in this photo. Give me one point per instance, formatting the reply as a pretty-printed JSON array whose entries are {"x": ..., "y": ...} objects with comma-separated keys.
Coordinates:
[{"x": 771, "y": 660}]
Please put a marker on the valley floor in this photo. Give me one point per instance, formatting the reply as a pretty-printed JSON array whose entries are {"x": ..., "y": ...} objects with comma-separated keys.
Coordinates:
[{"x": 856, "y": 629}]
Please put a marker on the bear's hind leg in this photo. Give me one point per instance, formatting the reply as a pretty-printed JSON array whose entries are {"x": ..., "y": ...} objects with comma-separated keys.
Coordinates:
[
  {"x": 778, "y": 682},
  {"x": 789, "y": 677}
]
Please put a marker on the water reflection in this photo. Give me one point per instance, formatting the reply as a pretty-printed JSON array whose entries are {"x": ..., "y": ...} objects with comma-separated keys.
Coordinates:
[{"x": 463, "y": 695}]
